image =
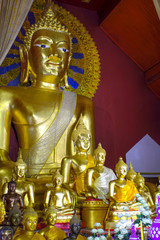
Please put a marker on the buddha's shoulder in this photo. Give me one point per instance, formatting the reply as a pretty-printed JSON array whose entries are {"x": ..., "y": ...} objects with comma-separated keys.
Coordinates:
[{"x": 84, "y": 99}]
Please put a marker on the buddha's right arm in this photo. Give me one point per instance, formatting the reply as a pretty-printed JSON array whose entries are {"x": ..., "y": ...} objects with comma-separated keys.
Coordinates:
[{"x": 5, "y": 122}]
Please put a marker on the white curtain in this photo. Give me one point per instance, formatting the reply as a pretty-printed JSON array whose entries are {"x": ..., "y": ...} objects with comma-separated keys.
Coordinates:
[{"x": 12, "y": 16}]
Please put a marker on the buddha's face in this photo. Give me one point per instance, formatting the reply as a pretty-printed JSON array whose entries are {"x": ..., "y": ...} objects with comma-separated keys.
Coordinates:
[
  {"x": 11, "y": 187},
  {"x": 75, "y": 228},
  {"x": 121, "y": 171},
  {"x": 51, "y": 218},
  {"x": 100, "y": 157},
  {"x": 131, "y": 177},
  {"x": 20, "y": 171},
  {"x": 49, "y": 54},
  {"x": 140, "y": 183},
  {"x": 30, "y": 223},
  {"x": 58, "y": 181},
  {"x": 83, "y": 142},
  {"x": 15, "y": 219}
]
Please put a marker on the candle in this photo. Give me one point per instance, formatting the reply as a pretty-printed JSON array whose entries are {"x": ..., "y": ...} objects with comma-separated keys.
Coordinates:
[{"x": 142, "y": 236}]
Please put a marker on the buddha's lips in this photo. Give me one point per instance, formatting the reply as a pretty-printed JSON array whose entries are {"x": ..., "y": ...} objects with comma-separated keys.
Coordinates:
[{"x": 53, "y": 63}]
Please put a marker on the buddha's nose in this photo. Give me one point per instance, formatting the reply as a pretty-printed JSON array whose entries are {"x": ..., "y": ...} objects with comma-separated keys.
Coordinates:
[{"x": 54, "y": 50}]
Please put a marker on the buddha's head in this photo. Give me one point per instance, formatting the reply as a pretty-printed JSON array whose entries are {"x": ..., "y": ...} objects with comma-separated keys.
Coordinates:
[
  {"x": 57, "y": 179},
  {"x": 131, "y": 174},
  {"x": 30, "y": 219},
  {"x": 100, "y": 155},
  {"x": 139, "y": 181},
  {"x": 11, "y": 187},
  {"x": 121, "y": 168},
  {"x": 81, "y": 137},
  {"x": 47, "y": 51},
  {"x": 75, "y": 224},
  {"x": 20, "y": 167},
  {"x": 51, "y": 216},
  {"x": 15, "y": 216}
]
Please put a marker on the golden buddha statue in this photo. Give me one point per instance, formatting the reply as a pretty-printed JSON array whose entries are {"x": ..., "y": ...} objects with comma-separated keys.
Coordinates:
[
  {"x": 51, "y": 232},
  {"x": 23, "y": 187},
  {"x": 74, "y": 168},
  {"x": 30, "y": 219},
  {"x": 43, "y": 115},
  {"x": 101, "y": 183},
  {"x": 121, "y": 195},
  {"x": 2, "y": 211},
  {"x": 131, "y": 174},
  {"x": 59, "y": 198},
  {"x": 144, "y": 191}
]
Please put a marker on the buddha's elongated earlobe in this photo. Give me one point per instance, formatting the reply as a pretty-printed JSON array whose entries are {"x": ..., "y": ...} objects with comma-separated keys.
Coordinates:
[
  {"x": 23, "y": 52},
  {"x": 66, "y": 79}
]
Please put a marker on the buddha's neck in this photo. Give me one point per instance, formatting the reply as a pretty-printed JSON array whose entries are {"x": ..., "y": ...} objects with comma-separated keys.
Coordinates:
[
  {"x": 47, "y": 85},
  {"x": 29, "y": 233}
]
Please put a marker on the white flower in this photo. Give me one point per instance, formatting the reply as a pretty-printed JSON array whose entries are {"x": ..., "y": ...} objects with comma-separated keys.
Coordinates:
[
  {"x": 119, "y": 215},
  {"x": 128, "y": 225},
  {"x": 124, "y": 231},
  {"x": 96, "y": 238},
  {"x": 143, "y": 201},
  {"x": 90, "y": 238},
  {"x": 102, "y": 237},
  {"x": 100, "y": 230},
  {"x": 144, "y": 221},
  {"x": 118, "y": 225},
  {"x": 116, "y": 230},
  {"x": 141, "y": 209},
  {"x": 120, "y": 236},
  {"x": 137, "y": 195},
  {"x": 94, "y": 230},
  {"x": 97, "y": 224},
  {"x": 145, "y": 213},
  {"x": 140, "y": 198},
  {"x": 125, "y": 208},
  {"x": 122, "y": 221},
  {"x": 127, "y": 214}
]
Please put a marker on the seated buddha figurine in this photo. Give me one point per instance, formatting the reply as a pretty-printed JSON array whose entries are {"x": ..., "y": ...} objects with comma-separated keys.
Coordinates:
[
  {"x": 144, "y": 190},
  {"x": 74, "y": 168},
  {"x": 50, "y": 232},
  {"x": 12, "y": 198},
  {"x": 43, "y": 115},
  {"x": 14, "y": 218},
  {"x": 121, "y": 195},
  {"x": 23, "y": 187},
  {"x": 131, "y": 174},
  {"x": 30, "y": 220},
  {"x": 59, "y": 198},
  {"x": 101, "y": 183},
  {"x": 75, "y": 228}
]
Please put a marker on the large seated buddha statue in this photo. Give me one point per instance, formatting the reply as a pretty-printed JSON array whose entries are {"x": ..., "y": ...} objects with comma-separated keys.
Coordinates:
[
  {"x": 75, "y": 168},
  {"x": 43, "y": 115},
  {"x": 122, "y": 197}
]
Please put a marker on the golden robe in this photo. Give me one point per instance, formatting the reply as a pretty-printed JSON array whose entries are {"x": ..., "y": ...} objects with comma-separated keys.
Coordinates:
[
  {"x": 55, "y": 234},
  {"x": 80, "y": 182},
  {"x": 127, "y": 193}
]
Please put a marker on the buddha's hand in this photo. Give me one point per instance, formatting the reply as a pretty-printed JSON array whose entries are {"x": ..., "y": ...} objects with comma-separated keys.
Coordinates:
[
  {"x": 73, "y": 198},
  {"x": 4, "y": 158}
]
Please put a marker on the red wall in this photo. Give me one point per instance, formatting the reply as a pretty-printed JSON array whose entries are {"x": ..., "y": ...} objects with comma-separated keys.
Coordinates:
[{"x": 125, "y": 109}]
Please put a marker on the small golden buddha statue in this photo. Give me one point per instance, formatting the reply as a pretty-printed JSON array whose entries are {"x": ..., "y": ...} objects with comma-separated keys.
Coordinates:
[
  {"x": 30, "y": 219},
  {"x": 144, "y": 191},
  {"x": 74, "y": 168},
  {"x": 23, "y": 187},
  {"x": 43, "y": 125},
  {"x": 59, "y": 198},
  {"x": 12, "y": 198},
  {"x": 121, "y": 195},
  {"x": 51, "y": 232},
  {"x": 131, "y": 174},
  {"x": 75, "y": 228},
  {"x": 2, "y": 211},
  {"x": 101, "y": 184}
]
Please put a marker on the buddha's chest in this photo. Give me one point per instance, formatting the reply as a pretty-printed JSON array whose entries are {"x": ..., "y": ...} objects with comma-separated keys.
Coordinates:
[{"x": 79, "y": 166}]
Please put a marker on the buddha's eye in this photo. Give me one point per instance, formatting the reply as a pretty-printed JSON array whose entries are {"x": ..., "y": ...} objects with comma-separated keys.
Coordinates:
[
  {"x": 63, "y": 49},
  {"x": 41, "y": 45}
]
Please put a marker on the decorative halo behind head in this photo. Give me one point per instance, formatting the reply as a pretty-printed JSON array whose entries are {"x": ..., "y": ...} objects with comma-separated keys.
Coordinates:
[
  {"x": 81, "y": 128},
  {"x": 99, "y": 149}
]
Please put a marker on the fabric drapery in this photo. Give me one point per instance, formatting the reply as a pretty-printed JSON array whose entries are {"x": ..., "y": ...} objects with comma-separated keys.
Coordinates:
[{"x": 12, "y": 16}]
